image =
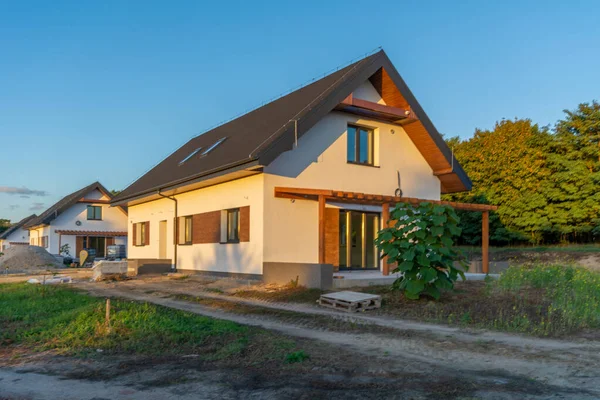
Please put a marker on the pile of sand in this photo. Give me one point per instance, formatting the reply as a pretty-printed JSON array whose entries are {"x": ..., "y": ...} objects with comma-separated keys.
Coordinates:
[{"x": 26, "y": 258}]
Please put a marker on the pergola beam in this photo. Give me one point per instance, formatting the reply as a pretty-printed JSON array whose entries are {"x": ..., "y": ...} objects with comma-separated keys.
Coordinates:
[
  {"x": 321, "y": 196},
  {"x": 373, "y": 199},
  {"x": 485, "y": 242}
]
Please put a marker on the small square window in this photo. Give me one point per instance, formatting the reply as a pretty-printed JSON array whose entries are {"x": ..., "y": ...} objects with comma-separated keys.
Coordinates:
[
  {"x": 360, "y": 145},
  {"x": 94, "y": 213}
]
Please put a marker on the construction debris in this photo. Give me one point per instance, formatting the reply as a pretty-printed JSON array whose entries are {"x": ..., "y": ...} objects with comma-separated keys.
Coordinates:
[
  {"x": 51, "y": 281},
  {"x": 350, "y": 301}
]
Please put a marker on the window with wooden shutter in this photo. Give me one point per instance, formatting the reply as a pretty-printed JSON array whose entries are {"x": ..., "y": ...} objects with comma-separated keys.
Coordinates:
[
  {"x": 141, "y": 233},
  {"x": 185, "y": 230}
]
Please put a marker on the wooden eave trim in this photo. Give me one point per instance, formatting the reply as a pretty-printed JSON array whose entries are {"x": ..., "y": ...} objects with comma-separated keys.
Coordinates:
[
  {"x": 92, "y": 201},
  {"x": 370, "y": 199},
  {"x": 358, "y": 106}
]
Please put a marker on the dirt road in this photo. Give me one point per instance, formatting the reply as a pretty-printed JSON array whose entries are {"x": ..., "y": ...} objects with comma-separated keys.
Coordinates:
[{"x": 379, "y": 357}]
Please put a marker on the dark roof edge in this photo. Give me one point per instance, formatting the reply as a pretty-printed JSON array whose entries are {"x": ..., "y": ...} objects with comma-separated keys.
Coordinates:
[
  {"x": 16, "y": 226},
  {"x": 232, "y": 167},
  {"x": 284, "y": 142}
]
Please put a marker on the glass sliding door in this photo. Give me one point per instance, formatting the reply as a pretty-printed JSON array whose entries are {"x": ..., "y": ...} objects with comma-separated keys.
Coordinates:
[{"x": 357, "y": 234}]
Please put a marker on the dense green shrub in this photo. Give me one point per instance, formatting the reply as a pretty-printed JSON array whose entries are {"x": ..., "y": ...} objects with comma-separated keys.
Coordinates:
[{"x": 421, "y": 243}]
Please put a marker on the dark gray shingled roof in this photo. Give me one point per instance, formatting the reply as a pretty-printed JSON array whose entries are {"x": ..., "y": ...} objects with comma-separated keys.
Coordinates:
[{"x": 262, "y": 134}]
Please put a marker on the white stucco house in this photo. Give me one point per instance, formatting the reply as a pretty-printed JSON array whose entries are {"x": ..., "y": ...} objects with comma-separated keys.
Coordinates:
[
  {"x": 83, "y": 220},
  {"x": 16, "y": 234},
  {"x": 296, "y": 188}
]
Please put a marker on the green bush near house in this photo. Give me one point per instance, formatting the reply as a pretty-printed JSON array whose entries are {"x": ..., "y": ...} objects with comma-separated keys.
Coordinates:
[{"x": 421, "y": 243}]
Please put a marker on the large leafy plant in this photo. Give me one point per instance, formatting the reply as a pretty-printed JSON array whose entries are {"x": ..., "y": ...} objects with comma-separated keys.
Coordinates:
[{"x": 421, "y": 243}]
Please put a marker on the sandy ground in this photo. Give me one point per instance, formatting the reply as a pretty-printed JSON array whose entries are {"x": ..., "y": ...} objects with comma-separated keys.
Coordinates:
[{"x": 371, "y": 356}]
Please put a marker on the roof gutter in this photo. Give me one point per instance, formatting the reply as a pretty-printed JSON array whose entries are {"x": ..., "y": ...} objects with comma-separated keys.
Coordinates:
[{"x": 175, "y": 223}]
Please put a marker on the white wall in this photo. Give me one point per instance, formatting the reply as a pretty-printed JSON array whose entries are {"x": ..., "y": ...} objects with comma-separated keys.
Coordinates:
[
  {"x": 320, "y": 162},
  {"x": 244, "y": 257},
  {"x": 20, "y": 235},
  {"x": 366, "y": 91}
]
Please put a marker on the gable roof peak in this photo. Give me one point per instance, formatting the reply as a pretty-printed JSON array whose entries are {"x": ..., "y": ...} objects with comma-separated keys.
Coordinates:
[
  {"x": 259, "y": 136},
  {"x": 59, "y": 207}
]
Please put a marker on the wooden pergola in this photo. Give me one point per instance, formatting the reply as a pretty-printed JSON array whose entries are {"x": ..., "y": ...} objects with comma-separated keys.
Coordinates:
[{"x": 323, "y": 195}]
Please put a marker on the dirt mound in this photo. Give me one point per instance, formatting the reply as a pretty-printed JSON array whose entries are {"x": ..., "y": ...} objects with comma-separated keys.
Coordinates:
[{"x": 26, "y": 258}]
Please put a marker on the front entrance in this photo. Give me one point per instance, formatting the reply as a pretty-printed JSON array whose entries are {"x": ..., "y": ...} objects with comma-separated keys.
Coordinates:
[
  {"x": 162, "y": 240},
  {"x": 357, "y": 235}
]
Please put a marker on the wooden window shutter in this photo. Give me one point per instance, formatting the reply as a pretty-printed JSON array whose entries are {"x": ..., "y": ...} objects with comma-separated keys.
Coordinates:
[
  {"x": 332, "y": 236},
  {"x": 147, "y": 239},
  {"x": 245, "y": 224},
  {"x": 134, "y": 235},
  {"x": 110, "y": 241}
]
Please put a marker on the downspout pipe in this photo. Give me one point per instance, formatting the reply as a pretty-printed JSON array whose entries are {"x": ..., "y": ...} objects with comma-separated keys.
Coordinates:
[{"x": 175, "y": 223}]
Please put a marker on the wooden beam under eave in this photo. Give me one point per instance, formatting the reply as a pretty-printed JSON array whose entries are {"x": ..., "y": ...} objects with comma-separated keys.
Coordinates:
[
  {"x": 92, "y": 201},
  {"x": 322, "y": 229},
  {"x": 485, "y": 242}
]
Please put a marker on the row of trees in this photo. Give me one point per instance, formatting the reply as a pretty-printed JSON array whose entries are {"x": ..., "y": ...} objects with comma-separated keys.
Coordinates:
[{"x": 545, "y": 180}]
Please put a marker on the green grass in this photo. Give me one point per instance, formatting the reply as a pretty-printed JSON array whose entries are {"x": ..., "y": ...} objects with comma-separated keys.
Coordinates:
[
  {"x": 62, "y": 319},
  {"x": 571, "y": 298}
]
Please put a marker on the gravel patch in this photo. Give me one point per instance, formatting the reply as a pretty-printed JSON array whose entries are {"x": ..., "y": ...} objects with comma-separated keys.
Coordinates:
[{"x": 27, "y": 258}]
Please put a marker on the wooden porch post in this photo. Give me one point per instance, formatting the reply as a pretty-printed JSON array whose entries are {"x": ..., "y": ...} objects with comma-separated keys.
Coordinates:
[
  {"x": 485, "y": 241},
  {"x": 385, "y": 216},
  {"x": 321, "y": 229}
]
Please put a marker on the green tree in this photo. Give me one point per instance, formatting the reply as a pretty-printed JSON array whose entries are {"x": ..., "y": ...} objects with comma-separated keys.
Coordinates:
[
  {"x": 573, "y": 159},
  {"x": 4, "y": 224},
  {"x": 507, "y": 167}
]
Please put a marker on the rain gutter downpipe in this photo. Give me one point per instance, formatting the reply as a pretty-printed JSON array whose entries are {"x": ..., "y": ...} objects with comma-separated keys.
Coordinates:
[{"x": 174, "y": 266}]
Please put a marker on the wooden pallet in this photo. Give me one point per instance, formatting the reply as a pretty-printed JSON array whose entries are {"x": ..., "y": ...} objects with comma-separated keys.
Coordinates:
[{"x": 350, "y": 301}]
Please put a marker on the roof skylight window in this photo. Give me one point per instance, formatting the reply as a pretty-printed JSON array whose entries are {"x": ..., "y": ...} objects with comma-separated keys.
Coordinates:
[
  {"x": 192, "y": 154},
  {"x": 213, "y": 146}
]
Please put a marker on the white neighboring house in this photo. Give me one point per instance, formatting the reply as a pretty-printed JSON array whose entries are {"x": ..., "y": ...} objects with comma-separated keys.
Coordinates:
[
  {"x": 16, "y": 234},
  {"x": 83, "y": 220}
]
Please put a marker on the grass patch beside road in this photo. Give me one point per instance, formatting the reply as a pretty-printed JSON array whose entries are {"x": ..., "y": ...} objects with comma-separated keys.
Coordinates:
[
  {"x": 542, "y": 300},
  {"x": 64, "y": 320}
]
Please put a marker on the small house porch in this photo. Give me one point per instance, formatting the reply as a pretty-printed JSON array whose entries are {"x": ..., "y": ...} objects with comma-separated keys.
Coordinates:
[{"x": 324, "y": 197}]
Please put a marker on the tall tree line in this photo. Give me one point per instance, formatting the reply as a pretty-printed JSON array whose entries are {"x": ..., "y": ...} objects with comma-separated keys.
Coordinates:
[{"x": 545, "y": 180}]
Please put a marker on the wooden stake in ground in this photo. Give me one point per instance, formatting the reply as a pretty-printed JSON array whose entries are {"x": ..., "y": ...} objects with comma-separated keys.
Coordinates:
[{"x": 107, "y": 321}]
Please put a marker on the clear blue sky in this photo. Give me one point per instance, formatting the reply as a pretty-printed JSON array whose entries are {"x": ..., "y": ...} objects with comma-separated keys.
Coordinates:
[{"x": 105, "y": 90}]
